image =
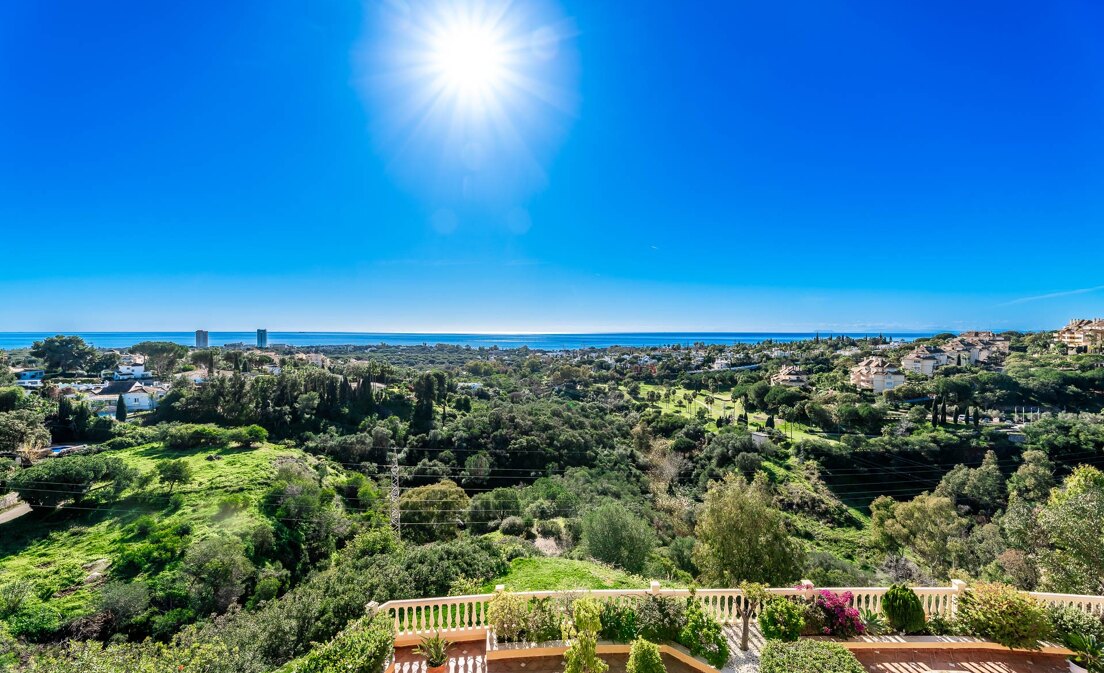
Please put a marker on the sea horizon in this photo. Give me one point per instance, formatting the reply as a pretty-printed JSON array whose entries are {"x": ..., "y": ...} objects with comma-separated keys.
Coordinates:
[{"x": 501, "y": 340}]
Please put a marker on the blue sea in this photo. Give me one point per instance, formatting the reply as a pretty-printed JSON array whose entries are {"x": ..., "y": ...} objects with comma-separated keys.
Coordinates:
[{"x": 9, "y": 340}]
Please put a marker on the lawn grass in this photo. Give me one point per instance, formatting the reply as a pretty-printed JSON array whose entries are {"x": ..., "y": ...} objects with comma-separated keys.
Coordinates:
[
  {"x": 56, "y": 551},
  {"x": 558, "y": 574}
]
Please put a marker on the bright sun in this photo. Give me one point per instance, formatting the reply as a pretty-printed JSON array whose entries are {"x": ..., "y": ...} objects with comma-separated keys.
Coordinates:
[
  {"x": 470, "y": 60},
  {"x": 472, "y": 95}
]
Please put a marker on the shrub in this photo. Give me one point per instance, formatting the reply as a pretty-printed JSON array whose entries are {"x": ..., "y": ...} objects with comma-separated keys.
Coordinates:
[
  {"x": 192, "y": 436},
  {"x": 702, "y": 635},
  {"x": 512, "y": 525},
  {"x": 644, "y": 657},
  {"x": 13, "y": 595},
  {"x": 1067, "y": 620},
  {"x": 249, "y": 436},
  {"x": 660, "y": 619},
  {"x": 781, "y": 619},
  {"x": 35, "y": 622},
  {"x": 508, "y": 615},
  {"x": 144, "y": 526},
  {"x": 902, "y": 608},
  {"x": 120, "y": 443},
  {"x": 232, "y": 503},
  {"x": 1002, "y": 614},
  {"x": 808, "y": 656},
  {"x": 164, "y": 626},
  {"x": 613, "y": 534},
  {"x": 544, "y": 622},
  {"x": 582, "y": 655},
  {"x": 363, "y": 647},
  {"x": 938, "y": 625},
  {"x": 619, "y": 622},
  {"x": 840, "y": 619},
  {"x": 874, "y": 622},
  {"x": 549, "y": 528},
  {"x": 124, "y": 601},
  {"x": 9, "y": 653},
  {"x": 1088, "y": 652}
]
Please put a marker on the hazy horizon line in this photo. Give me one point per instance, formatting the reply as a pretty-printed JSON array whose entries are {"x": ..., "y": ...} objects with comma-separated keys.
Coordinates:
[{"x": 271, "y": 331}]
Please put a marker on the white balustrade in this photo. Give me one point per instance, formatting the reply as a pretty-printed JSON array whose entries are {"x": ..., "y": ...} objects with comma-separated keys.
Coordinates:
[{"x": 467, "y": 615}]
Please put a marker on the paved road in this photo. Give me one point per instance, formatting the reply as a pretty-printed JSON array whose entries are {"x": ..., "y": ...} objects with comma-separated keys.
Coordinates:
[{"x": 14, "y": 513}]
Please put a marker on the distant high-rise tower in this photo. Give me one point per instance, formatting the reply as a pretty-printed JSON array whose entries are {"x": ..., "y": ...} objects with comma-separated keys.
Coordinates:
[
  {"x": 262, "y": 338},
  {"x": 201, "y": 338}
]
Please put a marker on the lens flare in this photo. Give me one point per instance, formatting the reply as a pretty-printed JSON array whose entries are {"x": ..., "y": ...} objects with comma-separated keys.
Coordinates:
[
  {"x": 471, "y": 59},
  {"x": 470, "y": 98}
]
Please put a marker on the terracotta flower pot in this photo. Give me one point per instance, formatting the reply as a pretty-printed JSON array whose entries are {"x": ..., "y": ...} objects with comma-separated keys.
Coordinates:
[{"x": 443, "y": 668}]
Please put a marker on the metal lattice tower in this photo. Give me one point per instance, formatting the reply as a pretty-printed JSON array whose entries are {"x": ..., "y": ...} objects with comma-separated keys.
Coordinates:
[{"x": 396, "y": 514}]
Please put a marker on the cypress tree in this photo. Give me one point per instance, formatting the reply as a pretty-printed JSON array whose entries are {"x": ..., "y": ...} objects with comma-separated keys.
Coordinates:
[
  {"x": 120, "y": 409},
  {"x": 935, "y": 413},
  {"x": 943, "y": 413}
]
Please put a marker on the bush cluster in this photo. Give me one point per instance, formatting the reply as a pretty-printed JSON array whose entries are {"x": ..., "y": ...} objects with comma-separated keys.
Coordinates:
[
  {"x": 702, "y": 635},
  {"x": 363, "y": 647},
  {"x": 840, "y": 619},
  {"x": 644, "y": 657},
  {"x": 807, "y": 656},
  {"x": 782, "y": 619},
  {"x": 517, "y": 619},
  {"x": 651, "y": 618},
  {"x": 1002, "y": 614},
  {"x": 1068, "y": 621}
]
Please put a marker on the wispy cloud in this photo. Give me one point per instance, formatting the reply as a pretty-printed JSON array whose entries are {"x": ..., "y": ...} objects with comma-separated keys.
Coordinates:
[{"x": 1053, "y": 295}]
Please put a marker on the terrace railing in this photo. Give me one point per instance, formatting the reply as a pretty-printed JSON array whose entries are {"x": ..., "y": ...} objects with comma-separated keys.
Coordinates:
[{"x": 460, "y": 617}]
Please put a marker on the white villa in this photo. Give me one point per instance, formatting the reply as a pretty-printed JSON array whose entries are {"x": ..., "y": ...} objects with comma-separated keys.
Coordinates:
[
  {"x": 136, "y": 396},
  {"x": 28, "y": 378},
  {"x": 131, "y": 369}
]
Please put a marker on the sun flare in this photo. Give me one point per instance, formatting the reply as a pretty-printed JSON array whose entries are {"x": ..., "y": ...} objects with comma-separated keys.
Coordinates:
[
  {"x": 473, "y": 96},
  {"x": 471, "y": 59}
]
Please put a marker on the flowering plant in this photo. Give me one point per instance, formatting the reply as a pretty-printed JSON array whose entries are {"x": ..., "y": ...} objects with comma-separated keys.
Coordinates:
[{"x": 840, "y": 619}]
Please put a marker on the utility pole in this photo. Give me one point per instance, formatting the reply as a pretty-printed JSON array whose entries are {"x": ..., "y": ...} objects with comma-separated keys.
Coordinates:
[{"x": 396, "y": 514}]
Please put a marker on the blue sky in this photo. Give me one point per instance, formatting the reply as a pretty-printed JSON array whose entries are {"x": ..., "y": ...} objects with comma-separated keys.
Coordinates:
[{"x": 696, "y": 166}]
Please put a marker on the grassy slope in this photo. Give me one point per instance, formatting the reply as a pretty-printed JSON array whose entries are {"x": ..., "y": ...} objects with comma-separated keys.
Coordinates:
[
  {"x": 50, "y": 549},
  {"x": 549, "y": 574},
  {"x": 844, "y": 542}
]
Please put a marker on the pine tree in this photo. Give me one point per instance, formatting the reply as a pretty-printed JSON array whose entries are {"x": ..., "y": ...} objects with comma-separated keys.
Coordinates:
[{"x": 120, "y": 410}]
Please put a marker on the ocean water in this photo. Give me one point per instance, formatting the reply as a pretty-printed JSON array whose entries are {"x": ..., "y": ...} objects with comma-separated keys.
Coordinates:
[{"x": 9, "y": 340}]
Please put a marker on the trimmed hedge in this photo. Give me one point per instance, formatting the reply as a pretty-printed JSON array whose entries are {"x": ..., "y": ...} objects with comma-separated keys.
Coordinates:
[{"x": 807, "y": 656}]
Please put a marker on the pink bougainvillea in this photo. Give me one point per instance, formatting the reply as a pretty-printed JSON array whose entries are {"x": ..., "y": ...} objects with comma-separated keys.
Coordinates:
[{"x": 840, "y": 619}]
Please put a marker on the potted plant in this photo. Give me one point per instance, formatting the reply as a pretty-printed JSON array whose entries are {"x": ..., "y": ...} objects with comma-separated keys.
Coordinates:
[
  {"x": 1088, "y": 653},
  {"x": 435, "y": 650}
]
